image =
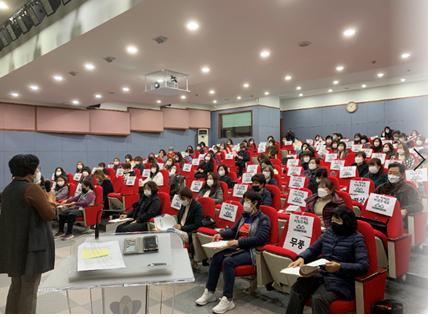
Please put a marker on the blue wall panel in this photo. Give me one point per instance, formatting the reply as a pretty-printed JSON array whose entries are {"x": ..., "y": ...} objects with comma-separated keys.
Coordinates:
[{"x": 370, "y": 118}]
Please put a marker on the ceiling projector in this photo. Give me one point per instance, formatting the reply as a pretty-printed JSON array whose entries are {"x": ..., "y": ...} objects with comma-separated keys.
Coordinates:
[{"x": 166, "y": 83}]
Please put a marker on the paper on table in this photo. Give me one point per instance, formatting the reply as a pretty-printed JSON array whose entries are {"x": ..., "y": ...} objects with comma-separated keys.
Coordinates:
[
  {"x": 94, "y": 253},
  {"x": 222, "y": 244},
  {"x": 296, "y": 270},
  {"x": 164, "y": 222},
  {"x": 120, "y": 220},
  {"x": 112, "y": 260}
]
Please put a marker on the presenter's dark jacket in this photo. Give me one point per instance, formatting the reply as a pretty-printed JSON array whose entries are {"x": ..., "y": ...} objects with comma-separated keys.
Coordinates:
[
  {"x": 148, "y": 207},
  {"x": 27, "y": 244},
  {"x": 194, "y": 217}
]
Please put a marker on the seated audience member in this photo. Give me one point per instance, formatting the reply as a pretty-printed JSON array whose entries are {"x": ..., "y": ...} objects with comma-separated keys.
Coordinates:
[
  {"x": 290, "y": 136},
  {"x": 312, "y": 167},
  {"x": 59, "y": 171},
  {"x": 101, "y": 165},
  {"x": 396, "y": 134},
  {"x": 341, "y": 150},
  {"x": 364, "y": 141},
  {"x": 189, "y": 154},
  {"x": 199, "y": 150},
  {"x": 205, "y": 167},
  {"x": 72, "y": 208},
  {"x": 265, "y": 161},
  {"x": 396, "y": 186},
  {"x": 272, "y": 150},
  {"x": 212, "y": 189},
  {"x": 376, "y": 172},
  {"x": 127, "y": 171},
  {"x": 224, "y": 177},
  {"x": 360, "y": 163},
  {"x": 86, "y": 175},
  {"x": 170, "y": 167},
  {"x": 189, "y": 216},
  {"x": 79, "y": 167},
  {"x": 139, "y": 163},
  {"x": 388, "y": 133},
  {"x": 305, "y": 157},
  {"x": 61, "y": 189},
  {"x": 171, "y": 153},
  {"x": 329, "y": 143},
  {"x": 148, "y": 207},
  {"x": 334, "y": 146},
  {"x": 116, "y": 163},
  {"x": 241, "y": 159},
  {"x": 403, "y": 154},
  {"x": 268, "y": 173},
  {"x": 324, "y": 202},
  {"x": 316, "y": 178},
  {"x": 161, "y": 155},
  {"x": 128, "y": 158},
  {"x": 178, "y": 158},
  {"x": 258, "y": 185},
  {"x": 252, "y": 230},
  {"x": 377, "y": 145},
  {"x": 106, "y": 185},
  {"x": 252, "y": 145},
  {"x": 155, "y": 175},
  {"x": 151, "y": 159},
  {"x": 419, "y": 145},
  {"x": 403, "y": 138},
  {"x": 388, "y": 150},
  {"x": 348, "y": 260},
  {"x": 356, "y": 138}
]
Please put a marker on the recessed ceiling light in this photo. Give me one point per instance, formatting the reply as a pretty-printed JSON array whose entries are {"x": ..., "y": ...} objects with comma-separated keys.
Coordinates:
[
  {"x": 246, "y": 85},
  {"x": 125, "y": 89},
  {"x": 380, "y": 75},
  {"x": 402, "y": 80},
  {"x": 34, "y": 87},
  {"x": 335, "y": 82},
  {"x": 300, "y": 95},
  {"x": 349, "y": 32},
  {"x": 364, "y": 86},
  {"x": 89, "y": 66},
  {"x": 98, "y": 96},
  {"x": 211, "y": 92},
  {"x": 14, "y": 94},
  {"x": 405, "y": 55},
  {"x": 205, "y": 69},
  {"x": 75, "y": 102},
  {"x": 239, "y": 97},
  {"x": 192, "y": 25},
  {"x": 340, "y": 68},
  {"x": 58, "y": 78},
  {"x": 215, "y": 101},
  {"x": 330, "y": 90},
  {"x": 131, "y": 49},
  {"x": 183, "y": 97},
  {"x": 266, "y": 93},
  {"x": 3, "y": 5},
  {"x": 288, "y": 77},
  {"x": 265, "y": 54},
  {"x": 298, "y": 88},
  {"x": 158, "y": 101}
]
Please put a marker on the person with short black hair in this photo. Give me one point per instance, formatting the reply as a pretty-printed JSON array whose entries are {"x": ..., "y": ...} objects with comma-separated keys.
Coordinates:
[
  {"x": 315, "y": 179},
  {"x": 252, "y": 230},
  {"x": 205, "y": 167},
  {"x": 376, "y": 172},
  {"x": 268, "y": 173},
  {"x": 27, "y": 245},
  {"x": 128, "y": 158},
  {"x": 396, "y": 186},
  {"x": 258, "y": 185},
  {"x": 224, "y": 176},
  {"x": 348, "y": 260},
  {"x": 377, "y": 145},
  {"x": 106, "y": 185},
  {"x": 189, "y": 216},
  {"x": 138, "y": 160},
  {"x": 155, "y": 175},
  {"x": 59, "y": 171},
  {"x": 360, "y": 163},
  {"x": 241, "y": 159},
  {"x": 61, "y": 188},
  {"x": 364, "y": 141},
  {"x": 72, "y": 208},
  {"x": 148, "y": 207},
  {"x": 341, "y": 151}
]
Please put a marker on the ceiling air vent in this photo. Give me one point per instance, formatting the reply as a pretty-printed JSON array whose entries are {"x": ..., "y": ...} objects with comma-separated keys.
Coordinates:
[
  {"x": 304, "y": 43},
  {"x": 109, "y": 59},
  {"x": 160, "y": 39}
]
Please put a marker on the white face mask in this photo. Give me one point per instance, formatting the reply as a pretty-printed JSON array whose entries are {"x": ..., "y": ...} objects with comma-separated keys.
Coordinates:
[
  {"x": 358, "y": 159},
  {"x": 207, "y": 158},
  {"x": 322, "y": 192},
  {"x": 247, "y": 207},
  {"x": 210, "y": 182},
  {"x": 147, "y": 192},
  {"x": 289, "y": 143},
  {"x": 60, "y": 184},
  {"x": 116, "y": 163},
  {"x": 376, "y": 144},
  {"x": 340, "y": 148},
  {"x": 318, "y": 180},
  {"x": 85, "y": 174},
  {"x": 79, "y": 167},
  {"x": 419, "y": 143},
  {"x": 386, "y": 149},
  {"x": 400, "y": 151},
  {"x": 221, "y": 172},
  {"x": 306, "y": 159},
  {"x": 312, "y": 166},
  {"x": 58, "y": 173},
  {"x": 37, "y": 177},
  {"x": 266, "y": 174},
  {"x": 393, "y": 178},
  {"x": 373, "y": 169},
  {"x": 153, "y": 170}
]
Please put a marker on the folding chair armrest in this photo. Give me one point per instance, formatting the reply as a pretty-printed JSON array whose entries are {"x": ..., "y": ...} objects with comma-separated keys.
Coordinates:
[{"x": 369, "y": 289}]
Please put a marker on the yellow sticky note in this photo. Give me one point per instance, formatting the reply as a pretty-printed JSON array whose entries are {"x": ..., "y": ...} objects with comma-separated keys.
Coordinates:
[{"x": 94, "y": 253}]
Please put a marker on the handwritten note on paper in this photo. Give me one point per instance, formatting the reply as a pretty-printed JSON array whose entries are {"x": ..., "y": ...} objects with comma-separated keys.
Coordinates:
[
  {"x": 418, "y": 176},
  {"x": 239, "y": 190},
  {"x": 104, "y": 255},
  {"x": 253, "y": 169},
  {"x": 228, "y": 212},
  {"x": 176, "y": 202},
  {"x": 381, "y": 204},
  {"x": 247, "y": 178},
  {"x": 187, "y": 167},
  {"x": 196, "y": 186},
  {"x": 293, "y": 162},
  {"x": 297, "y": 197},
  {"x": 294, "y": 171},
  {"x": 330, "y": 157},
  {"x": 337, "y": 164},
  {"x": 347, "y": 171},
  {"x": 297, "y": 181}
]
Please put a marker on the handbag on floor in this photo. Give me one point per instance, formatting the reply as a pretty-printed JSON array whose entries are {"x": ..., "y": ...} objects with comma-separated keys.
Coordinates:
[{"x": 387, "y": 306}]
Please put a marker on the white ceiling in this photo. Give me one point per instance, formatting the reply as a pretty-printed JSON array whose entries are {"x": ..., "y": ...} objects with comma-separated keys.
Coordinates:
[{"x": 231, "y": 35}]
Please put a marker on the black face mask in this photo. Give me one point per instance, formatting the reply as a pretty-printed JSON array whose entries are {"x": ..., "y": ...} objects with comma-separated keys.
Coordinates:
[
  {"x": 256, "y": 188},
  {"x": 84, "y": 190},
  {"x": 339, "y": 230}
]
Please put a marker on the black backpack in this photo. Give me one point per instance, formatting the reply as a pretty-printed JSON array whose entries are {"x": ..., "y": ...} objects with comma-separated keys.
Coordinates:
[{"x": 387, "y": 306}]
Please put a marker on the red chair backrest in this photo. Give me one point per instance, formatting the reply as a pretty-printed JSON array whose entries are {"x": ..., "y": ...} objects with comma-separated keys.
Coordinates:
[
  {"x": 316, "y": 227},
  {"x": 371, "y": 183},
  {"x": 224, "y": 187},
  {"x": 346, "y": 198},
  {"x": 309, "y": 193},
  {"x": 277, "y": 177},
  {"x": 306, "y": 183},
  {"x": 118, "y": 183},
  {"x": 222, "y": 223},
  {"x": 274, "y": 230},
  {"x": 208, "y": 206},
  {"x": 70, "y": 178},
  {"x": 395, "y": 227},
  {"x": 72, "y": 189},
  {"x": 137, "y": 172},
  {"x": 166, "y": 186},
  {"x": 335, "y": 181},
  {"x": 165, "y": 203},
  {"x": 350, "y": 158},
  {"x": 366, "y": 230},
  {"x": 98, "y": 190},
  {"x": 276, "y": 195}
]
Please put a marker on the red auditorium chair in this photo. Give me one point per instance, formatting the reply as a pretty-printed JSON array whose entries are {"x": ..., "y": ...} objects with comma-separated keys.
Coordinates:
[
  {"x": 335, "y": 181},
  {"x": 92, "y": 215},
  {"x": 72, "y": 189},
  {"x": 128, "y": 195},
  {"x": 393, "y": 244},
  {"x": 276, "y": 195},
  {"x": 346, "y": 198},
  {"x": 166, "y": 185},
  {"x": 417, "y": 224},
  {"x": 274, "y": 258},
  {"x": 357, "y": 206}
]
